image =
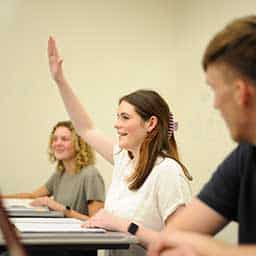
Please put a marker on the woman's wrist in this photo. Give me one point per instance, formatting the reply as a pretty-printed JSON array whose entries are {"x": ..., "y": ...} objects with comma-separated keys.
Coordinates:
[
  {"x": 47, "y": 199},
  {"x": 124, "y": 226},
  {"x": 67, "y": 211},
  {"x": 53, "y": 205},
  {"x": 133, "y": 228},
  {"x": 60, "y": 81}
]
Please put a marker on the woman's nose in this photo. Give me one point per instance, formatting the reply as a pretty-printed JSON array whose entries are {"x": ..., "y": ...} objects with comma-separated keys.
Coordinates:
[
  {"x": 117, "y": 124},
  {"x": 57, "y": 142}
]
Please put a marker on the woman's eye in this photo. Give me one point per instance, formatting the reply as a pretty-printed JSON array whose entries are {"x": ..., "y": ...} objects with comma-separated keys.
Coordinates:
[{"x": 123, "y": 117}]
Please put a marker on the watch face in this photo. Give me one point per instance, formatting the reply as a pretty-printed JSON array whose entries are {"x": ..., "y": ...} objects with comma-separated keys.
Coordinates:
[{"x": 133, "y": 228}]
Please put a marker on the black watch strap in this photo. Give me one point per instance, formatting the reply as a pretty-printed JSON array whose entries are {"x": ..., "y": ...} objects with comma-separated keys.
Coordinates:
[
  {"x": 67, "y": 210},
  {"x": 133, "y": 228}
]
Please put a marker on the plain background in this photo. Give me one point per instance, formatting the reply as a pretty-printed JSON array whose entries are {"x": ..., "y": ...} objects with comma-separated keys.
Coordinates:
[{"x": 109, "y": 48}]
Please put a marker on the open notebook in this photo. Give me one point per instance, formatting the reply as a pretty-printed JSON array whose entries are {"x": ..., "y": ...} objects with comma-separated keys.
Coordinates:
[
  {"x": 55, "y": 225},
  {"x": 17, "y": 207},
  {"x": 17, "y": 204}
]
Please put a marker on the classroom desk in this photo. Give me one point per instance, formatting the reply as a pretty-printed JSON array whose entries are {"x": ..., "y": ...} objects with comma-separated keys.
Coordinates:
[{"x": 75, "y": 241}]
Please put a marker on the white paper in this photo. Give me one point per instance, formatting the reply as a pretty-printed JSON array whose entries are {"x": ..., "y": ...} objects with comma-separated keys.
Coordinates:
[
  {"x": 17, "y": 204},
  {"x": 41, "y": 225},
  {"x": 47, "y": 220}
]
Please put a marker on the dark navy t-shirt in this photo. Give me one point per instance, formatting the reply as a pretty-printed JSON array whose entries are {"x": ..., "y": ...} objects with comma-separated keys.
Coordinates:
[{"x": 232, "y": 191}]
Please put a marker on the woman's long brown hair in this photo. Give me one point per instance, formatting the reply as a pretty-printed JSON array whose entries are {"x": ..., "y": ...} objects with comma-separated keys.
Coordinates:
[{"x": 149, "y": 103}]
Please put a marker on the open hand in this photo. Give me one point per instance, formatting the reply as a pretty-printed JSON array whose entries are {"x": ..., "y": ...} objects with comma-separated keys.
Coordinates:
[
  {"x": 103, "y": 219},
  {"x": 55, "y": 62},
  {"x": 40, "y": 201}
]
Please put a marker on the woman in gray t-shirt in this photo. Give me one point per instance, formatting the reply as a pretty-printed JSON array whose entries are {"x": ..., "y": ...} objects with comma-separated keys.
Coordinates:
[{"x": 76, "y": 187}]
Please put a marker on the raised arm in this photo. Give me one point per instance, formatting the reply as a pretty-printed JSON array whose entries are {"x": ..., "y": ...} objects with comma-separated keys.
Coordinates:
[{"x": 80, "y": 118}]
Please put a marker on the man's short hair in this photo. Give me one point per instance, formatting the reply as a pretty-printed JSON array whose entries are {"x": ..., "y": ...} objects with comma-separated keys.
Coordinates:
[{"x": 235, "y": 47}]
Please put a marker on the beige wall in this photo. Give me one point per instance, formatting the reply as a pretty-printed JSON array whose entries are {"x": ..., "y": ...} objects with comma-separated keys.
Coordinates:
[{"x": 109, "y": 48}]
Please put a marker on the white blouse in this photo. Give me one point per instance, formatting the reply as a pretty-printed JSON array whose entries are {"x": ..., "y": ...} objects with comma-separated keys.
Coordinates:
[{"x": 165, "y": 189}]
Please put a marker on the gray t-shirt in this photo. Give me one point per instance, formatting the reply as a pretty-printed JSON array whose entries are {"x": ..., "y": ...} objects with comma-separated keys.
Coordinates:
[{"x": 75, "y": 190}]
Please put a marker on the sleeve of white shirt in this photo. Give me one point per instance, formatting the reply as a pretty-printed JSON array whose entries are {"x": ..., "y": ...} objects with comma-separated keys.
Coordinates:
[
  {"x": 118, "y": 155},
  {"x": 172, "y": 188}
]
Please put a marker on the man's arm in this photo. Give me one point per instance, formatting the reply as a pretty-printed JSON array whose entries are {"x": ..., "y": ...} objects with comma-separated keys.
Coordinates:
[
  {"x": 193, "y": 244},
  {"x": 197, "y": 217},
  {"x": 194, "y": 217}
]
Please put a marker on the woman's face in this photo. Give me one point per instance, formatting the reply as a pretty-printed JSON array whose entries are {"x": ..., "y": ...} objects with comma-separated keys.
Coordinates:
[
  {"x": 62, "y": 144},
  {"x": 131, "y": 128}
]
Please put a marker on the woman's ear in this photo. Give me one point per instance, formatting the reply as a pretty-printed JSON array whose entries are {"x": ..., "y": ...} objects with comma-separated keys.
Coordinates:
[{"x": 152, "y": 123}]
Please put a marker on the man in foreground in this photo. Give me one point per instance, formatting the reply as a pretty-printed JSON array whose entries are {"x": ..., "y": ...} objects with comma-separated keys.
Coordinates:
[{"x": 229, "y": 63}]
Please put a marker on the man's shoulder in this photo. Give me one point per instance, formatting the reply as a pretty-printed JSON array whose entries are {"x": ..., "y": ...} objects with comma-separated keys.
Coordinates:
[
  {"x": 245, "y": 147},
  {"x": 242, "y": 150}
]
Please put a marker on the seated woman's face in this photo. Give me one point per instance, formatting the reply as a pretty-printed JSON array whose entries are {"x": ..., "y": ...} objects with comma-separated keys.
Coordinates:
[
  {"x": 131, "y": 128},
  {"x": 62, "y": 144}
]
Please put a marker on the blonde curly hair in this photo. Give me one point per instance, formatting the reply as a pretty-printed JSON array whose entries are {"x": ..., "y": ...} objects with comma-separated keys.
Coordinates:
[{"x": 84, "y": 153}]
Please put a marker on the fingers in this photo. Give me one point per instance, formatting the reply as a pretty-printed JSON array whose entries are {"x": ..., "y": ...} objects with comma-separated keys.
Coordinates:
[
  {"x": 39, "y": 201},
  {"x": 52, "y": 49},
  {"x": 50, "y": 46},
  {"x": 93, "y": 222},
  {"x": 89, "y": 224},
  {"x": 55, "y": 62},
  {"x": 156, "y": 248},
  {"x": 36, "y": 203},
  {"x": 153, "y": 252},
  {"x": 60, "y": 61}
]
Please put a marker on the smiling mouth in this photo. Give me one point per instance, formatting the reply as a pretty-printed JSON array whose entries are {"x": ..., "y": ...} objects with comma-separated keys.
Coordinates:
[
  {"x": 122, "y": 134},
  {"x": 59, "y": 151}
]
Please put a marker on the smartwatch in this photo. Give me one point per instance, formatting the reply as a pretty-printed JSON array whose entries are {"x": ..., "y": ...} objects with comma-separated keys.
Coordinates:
[
  {"x": 67, "y": 210},
  {"x": 133, "y": 228}
]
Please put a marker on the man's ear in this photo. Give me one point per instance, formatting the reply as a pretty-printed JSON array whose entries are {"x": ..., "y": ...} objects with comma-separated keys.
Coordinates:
[
  {"x": 152, "y": 123},
  {"x": 244, "y": 92}
]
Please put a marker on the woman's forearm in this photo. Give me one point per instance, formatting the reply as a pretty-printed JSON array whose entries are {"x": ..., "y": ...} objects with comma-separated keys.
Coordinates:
[
  {"x": 78, "y": 115},
  {"x": 56, "y": 206},
  {"x": 19, "y": 195}
]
